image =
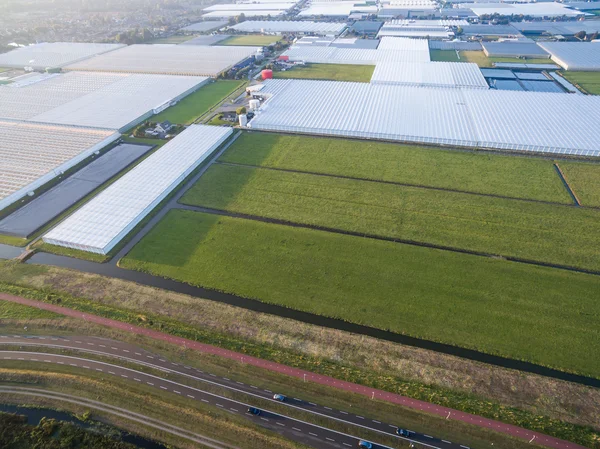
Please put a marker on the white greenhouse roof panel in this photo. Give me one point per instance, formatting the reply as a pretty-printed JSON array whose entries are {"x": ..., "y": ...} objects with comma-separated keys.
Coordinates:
[
  {"x": 542, "y": 9},
  {"x": 99, "y": 100},
  {"x": 290, "y": 26},
  {"x": 243, "y": 7},
  {"x": 403, "y": 44},
  {"x": 337, "y": 9},
  {"x": 433, "y": 74},
  {"x": 106, "y": 219},
  {"x": 582, "y": 56},
  {"x": 34, "y": 153},
  {"x": 412, "y": 23},
  {"x": 53, "y": 55},
  {"x": 190, "y": 60},
  {"x": 251, "y": 13},
  {"x": 463, "y": 117}
]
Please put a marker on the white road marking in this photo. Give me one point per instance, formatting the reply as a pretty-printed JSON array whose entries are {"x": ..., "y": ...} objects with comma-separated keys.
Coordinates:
[
  {"x": 204, "y": 400},
  {"x": 330, "y": 439},
  {"x": 375, "y": 421},
  {"x": 296, "y": 429},
  {"x": 190, "y": 396},
  {"x": 313, "y": 434},
  {"x": 164, "y": 388},
  {"x": 280, "y": 424}
]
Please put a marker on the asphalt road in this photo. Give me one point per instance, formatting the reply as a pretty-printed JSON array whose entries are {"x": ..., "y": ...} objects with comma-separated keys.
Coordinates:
[
  {"x": 131, "y": 353},
  {"x": 117, "y": 411}
]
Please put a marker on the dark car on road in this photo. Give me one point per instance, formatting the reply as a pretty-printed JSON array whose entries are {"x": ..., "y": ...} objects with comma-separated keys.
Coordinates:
[
  {"x": 254, "y": 411},
  {"x": 365, "y": 444},
  {"x": 403, "y": 432},
  {"x": 279, "y": 397}
]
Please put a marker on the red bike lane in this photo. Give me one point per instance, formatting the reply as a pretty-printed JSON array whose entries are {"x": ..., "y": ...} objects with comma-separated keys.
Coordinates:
[{"x": 445, "y": 412}]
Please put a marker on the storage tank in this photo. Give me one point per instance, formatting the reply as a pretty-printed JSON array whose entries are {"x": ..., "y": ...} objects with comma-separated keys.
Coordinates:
[
  {"x": 254, "y": 104},
  {"x": 267, "y": 74},
  {"x": 243, "y": 120}
]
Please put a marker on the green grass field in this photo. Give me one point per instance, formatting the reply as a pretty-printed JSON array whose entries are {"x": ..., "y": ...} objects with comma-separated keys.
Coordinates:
[
  {"x": 198, "y": 103},
  {"x": 336, "y": 72},
  {"x": 250, "y": 40},
  {"x": 541, "y": 232},
  {"x": 444, "y": 55},
  {"x": 588, "y": 81},
  {"x": 512, "y": 176},
  {"x": 480, "y": 58},
  {"x": 532, "y": 313},
  {"x": 584, "y": 180}
]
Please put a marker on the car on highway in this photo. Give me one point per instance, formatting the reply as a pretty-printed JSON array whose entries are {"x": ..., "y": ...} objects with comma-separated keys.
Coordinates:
[
  {"x": 365, "y": 444},
  {"x": 254, "y": 411},
  {"x": 403, "y": 432},
  {"x": 279, "y": 397}
]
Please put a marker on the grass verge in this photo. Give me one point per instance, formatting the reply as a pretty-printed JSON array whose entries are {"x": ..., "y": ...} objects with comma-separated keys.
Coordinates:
[
  {"x": 438, "y": 295},
  {"x": 336, "y": 72},
  {"x": 469, "y": 171},
  {"x": 532, "y": 231},
  {"x": 187, "y": 110},
  {"x": 435, "y": 378}
]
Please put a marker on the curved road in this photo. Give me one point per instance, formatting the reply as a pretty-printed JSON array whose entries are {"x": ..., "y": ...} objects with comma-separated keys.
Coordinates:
[
  {"x": 133, "y": 354},
  {"x": 448, "y": 413},
  {"x": 120, "y": 412}
]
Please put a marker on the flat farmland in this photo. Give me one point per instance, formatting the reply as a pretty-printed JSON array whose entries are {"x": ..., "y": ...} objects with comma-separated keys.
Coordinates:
[
  {"x": 539, "y": 314},
  {"x": 584, "y": 179},
  {"x": 534, "y": 231},
  {"x": 336, "y": 72},
  {"x": 478, "y": 172},
  {"x": 588, "y": 81}
]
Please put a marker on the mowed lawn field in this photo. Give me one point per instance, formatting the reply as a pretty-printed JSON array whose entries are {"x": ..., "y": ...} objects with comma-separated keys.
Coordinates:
[
  {"x": 505, "y": 227},
  {"x": 584, "y": 179},
  {"x": 511, "y": 176},
  {"x": 444, "y": 55},
  {"x": 336, "y": 72},
  {"x": 187, "y": 110},
  {"x": 588, "y": 81},
  {"x": 250, "y": 40},
  {"x": 538, "y": 314}
]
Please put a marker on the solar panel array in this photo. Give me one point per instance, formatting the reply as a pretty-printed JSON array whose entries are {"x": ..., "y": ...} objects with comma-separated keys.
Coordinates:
[
  {"x": 191, "y": 60},
  {"x": 101, "y": 223},
  {"x": 33, "y": 154},
  {"x": 56, "y": 54},
  {"x": 463, "y": 117},
  {"x": 101, "y": 100}
]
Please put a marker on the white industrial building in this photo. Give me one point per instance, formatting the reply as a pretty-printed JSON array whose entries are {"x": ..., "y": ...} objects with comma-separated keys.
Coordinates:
[
  {"x": 100, "y": 100},
  {"x": 190, "y": 60},
  {"x": 290, "y": 26},
  {"x": 576, "y": 56},
  {"x": 243, "y": 7},
  {"x": 106, "y": 219},
  {"x": 337, "y": 8},
  {"x": 250, "y": 13},
  {"x": 420, "y": 28},
  {"x": 33, "y": 154},
  {"x": 462, "y": 117},
  {"x": 53, "y": 55},
  {"x": 432, "y": 74}
]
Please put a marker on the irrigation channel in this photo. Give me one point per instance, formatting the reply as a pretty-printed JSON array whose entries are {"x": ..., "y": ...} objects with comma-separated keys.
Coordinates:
[{"x": 34, "y": 415}]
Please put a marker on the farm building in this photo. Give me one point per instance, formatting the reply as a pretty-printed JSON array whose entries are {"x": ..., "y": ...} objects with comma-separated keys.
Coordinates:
[
  {"x": 337, "y": 9},
  {"x": 463, "y": 117},
  {"x": 420, "y": 28},
  {"x": 542, "y": 9},
  {"x": 33, "y": 154},
  {"x": 290, "y": 26},
  {"x": 100, "y": 100},
  {"x": 102, "y": 222},
  {"x": 190, "y": 60},
  {"x": 433, "y": 74},
  {"x": 557, "y": 28},
  {"x": 514, "y": 49},
  {"x": 579, "y": 56},
  {"x": 53, "y": 55}
]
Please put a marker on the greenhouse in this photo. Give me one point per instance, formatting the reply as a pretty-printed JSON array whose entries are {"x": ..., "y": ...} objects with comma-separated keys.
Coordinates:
[{"x": 101, "y": 223}]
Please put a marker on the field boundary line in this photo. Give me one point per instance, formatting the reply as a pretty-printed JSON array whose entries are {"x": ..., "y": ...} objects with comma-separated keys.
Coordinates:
[
  {"x": 277, "y": 221},
  {"x": 565, "y": 182},
  {"x": 395, "y": 183}
]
